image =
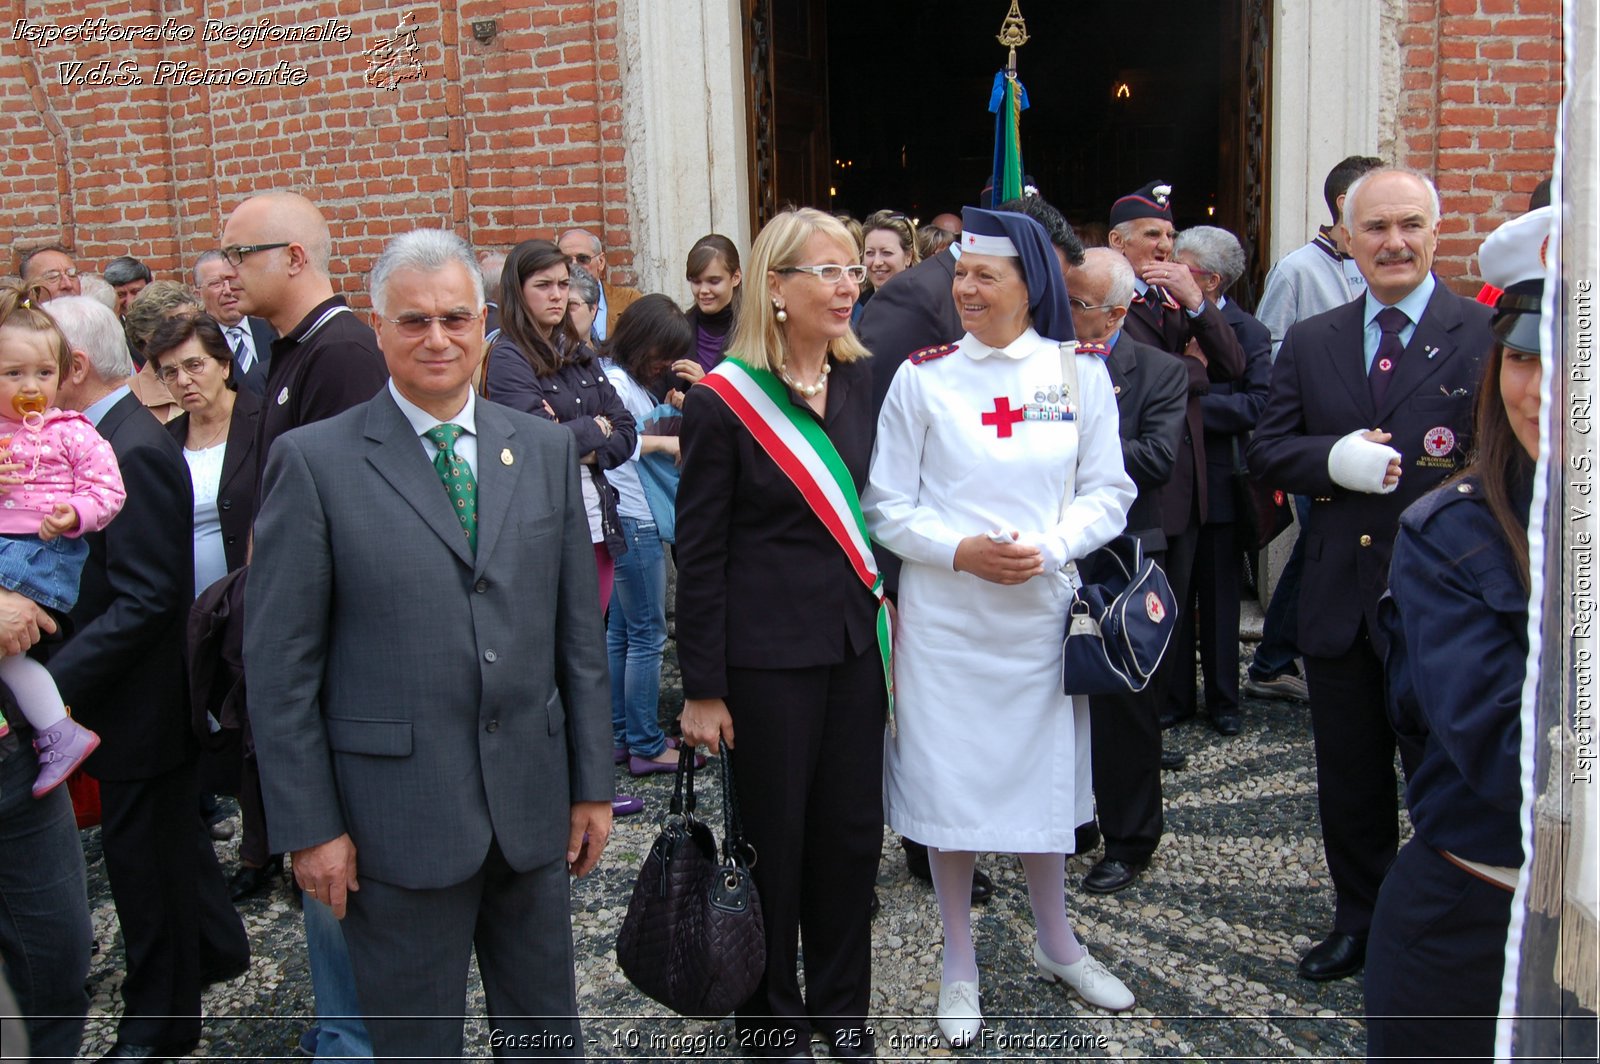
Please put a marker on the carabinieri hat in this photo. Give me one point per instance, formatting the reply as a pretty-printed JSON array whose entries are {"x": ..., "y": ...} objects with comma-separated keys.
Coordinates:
[
  {"x": 1017, "y": 236},
  {"x": 1149, "y": 202},
  {"x": 1513, "y": 259}
]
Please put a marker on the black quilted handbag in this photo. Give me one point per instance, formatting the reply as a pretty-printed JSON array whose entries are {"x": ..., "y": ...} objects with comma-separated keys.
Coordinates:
[{"x": 693, "y": 938}]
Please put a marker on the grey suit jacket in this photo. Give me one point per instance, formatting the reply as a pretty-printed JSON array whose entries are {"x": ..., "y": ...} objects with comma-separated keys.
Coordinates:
[{"x": 403, "y": 691}]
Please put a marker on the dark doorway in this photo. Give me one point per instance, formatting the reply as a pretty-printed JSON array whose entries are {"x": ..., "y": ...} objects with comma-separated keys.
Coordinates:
[{"x": 1118, "y": 96}]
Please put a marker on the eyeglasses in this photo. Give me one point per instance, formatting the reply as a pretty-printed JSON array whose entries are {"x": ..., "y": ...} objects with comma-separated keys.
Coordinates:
[
  {"x": 50, "y": 277},
  {"x": 235, "y": 255},
  {"x": 416, "y": 326},
  {"x": 830, "y": 272},
  {"x": 193, "y": 367},
  {"x": 1081, "y": 305},
  {"x": 221, "y": 284},
  {"x": 581, "y": 260}
]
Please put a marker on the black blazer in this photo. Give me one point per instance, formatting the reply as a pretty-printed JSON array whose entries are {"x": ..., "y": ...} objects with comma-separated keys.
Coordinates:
[
  {"x": 261, "y": 334},
  {"x": 1319, "y": 394},
  {"x": 761, "y": 583},
  {"x": 915, "y": 311},
  {"x": 1151, "y": 389},
  {"x": 122, "y": 667},
  {"x": 238, "y": 488},
  {"x": 1230, "y": 410},
  {"x": 1224, "y": 362}
]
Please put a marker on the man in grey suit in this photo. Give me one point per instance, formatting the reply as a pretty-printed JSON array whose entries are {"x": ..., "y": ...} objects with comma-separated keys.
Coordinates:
[{"x": 423, "y": 641}]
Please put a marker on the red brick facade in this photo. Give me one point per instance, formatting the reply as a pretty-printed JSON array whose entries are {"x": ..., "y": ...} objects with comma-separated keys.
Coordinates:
[
  {"x": 519, "y": 136},
  {"x": 1480, "y": 92},
  {"x": 524, "y": 135}
]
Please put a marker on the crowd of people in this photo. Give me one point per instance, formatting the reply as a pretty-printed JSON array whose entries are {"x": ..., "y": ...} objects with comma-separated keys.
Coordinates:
[{"x": 383, "y": 579}]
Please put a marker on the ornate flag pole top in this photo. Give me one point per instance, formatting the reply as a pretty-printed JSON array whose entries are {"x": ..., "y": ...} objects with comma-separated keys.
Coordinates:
[{"x": 1013, "y": 34}]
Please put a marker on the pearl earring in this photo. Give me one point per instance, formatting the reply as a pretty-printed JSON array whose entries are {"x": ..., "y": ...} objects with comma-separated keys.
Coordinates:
[{"x": 782, "y": 315}]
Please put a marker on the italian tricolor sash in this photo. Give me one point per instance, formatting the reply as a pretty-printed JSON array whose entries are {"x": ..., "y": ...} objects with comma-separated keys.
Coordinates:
[{"x": 810, "y": 461}]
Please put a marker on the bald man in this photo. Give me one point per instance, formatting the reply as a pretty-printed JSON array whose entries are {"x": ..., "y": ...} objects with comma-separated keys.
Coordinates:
[
  {"x": 325, "y": 361},
  {"x": 583, "y": 248}
]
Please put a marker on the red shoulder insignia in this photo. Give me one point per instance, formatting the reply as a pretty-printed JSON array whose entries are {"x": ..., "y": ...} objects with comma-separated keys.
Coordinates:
[
  {"x": 1093, "y": 349},
  {"x": 928, "y": 354}
]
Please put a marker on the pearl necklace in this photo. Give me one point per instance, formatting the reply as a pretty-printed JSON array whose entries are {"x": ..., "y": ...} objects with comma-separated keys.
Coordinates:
[{"x": 810, "y": 391}]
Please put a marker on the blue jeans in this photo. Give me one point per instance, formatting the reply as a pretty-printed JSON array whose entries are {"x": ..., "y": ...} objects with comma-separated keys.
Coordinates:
[
  {"x": 341, "y": 1034},
  {"x": 636, "y": 633},
  {"x": 1280, "y": 630}
]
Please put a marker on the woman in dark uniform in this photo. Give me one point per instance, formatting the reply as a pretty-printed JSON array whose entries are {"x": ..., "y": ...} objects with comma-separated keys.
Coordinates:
[
  {"x": 778, "y": 631},
  {"x": 1457, "y": 623}
]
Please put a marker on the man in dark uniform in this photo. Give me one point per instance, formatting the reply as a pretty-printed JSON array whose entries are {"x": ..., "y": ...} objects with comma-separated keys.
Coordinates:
[
  {"x": 1170, "y": 312},
  {"x": 1370, "y": 407},
  {"x": 1125, "y": 729}
]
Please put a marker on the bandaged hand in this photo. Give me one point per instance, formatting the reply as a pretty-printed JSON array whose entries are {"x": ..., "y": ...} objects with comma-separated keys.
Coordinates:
[{"x": 1363, "y": 462}]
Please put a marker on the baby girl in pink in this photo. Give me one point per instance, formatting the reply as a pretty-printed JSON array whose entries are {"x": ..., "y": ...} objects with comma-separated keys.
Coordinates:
[{"x": 58, "y": 480}]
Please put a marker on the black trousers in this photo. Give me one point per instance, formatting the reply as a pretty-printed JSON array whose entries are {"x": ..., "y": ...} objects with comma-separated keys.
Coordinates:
[
  {"x": 1434, "y": 960},
  {"x": 808, "y": 766},
  {"x": 1356, "y": 786},
  {"x": 1174, "y": 679},
  {"x": 1125, "y": 755},
  {"x": 178, "y": 927},
  {"x": 1215, "y": 618}
]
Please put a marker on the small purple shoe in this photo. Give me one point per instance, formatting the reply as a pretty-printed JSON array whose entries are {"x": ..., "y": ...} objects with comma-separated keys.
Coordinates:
[
  {"x": 645, "y": 766},
  {"x": 626, "y": 805},
  {"x": 619, "y": 755},
  {"x": 61, "y": 749}
]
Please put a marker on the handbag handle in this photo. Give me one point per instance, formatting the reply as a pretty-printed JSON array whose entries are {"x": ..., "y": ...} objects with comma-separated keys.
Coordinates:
[
  {"x": 683, "y": 783},
  {"x": 734, "y": 847}
]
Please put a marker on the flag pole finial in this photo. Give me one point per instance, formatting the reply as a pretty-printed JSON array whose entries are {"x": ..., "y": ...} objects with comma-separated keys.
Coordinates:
[{"x": 1013, "y": 34}]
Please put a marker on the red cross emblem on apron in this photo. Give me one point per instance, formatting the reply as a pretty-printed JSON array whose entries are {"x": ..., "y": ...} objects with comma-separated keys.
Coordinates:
[{"x": 1002, "y": 417}]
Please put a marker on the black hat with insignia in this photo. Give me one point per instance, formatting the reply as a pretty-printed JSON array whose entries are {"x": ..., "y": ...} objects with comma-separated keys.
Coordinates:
[{"x": 1152, "y": 201}]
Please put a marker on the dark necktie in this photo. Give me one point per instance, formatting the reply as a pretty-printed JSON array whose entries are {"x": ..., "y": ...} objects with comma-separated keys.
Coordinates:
[
  {"x": 1391, "y": 320},
  {"x": 1155, "y": 299},
  {"x": 241, "y": 352},
  {"x": 459, "y": 484}
]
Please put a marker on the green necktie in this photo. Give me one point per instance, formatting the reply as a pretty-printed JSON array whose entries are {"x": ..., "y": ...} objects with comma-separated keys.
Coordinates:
[{"x": 459, "y": 484}]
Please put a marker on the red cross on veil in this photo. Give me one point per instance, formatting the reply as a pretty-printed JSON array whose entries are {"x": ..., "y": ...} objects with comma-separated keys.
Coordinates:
[{"x": 1002, "y": 417}]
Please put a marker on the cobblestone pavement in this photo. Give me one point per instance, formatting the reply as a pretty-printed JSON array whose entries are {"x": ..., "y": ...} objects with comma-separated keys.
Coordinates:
[{"x": 1208, "y": 938}]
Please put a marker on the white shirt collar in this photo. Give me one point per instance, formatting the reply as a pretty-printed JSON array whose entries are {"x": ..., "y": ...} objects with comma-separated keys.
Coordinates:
[
  {"x": 421, "y": 421},
  {"x": 1019, "y": 348}
]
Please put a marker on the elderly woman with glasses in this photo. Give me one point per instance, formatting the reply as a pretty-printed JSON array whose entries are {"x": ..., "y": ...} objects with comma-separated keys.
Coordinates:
[
  {"x": 583, "y": 300},
  {"x": 150, "y": 310},
  {"x": 989, "y": 478},
  {"x": 782, "y": 638}
]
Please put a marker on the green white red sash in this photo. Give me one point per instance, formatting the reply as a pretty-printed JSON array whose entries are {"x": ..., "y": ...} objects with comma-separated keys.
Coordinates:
[{"x": 808, "y": 458}]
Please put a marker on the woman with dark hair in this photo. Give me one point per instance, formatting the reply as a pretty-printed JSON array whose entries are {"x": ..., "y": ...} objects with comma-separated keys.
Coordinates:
[
  {"x": 189, "y": 354},
  {"x": 714, "y": 278},
  {"x": 651, "y": 334},
  {"x": 541, "y": 366},
  {"x": 1458, "y": 593}
]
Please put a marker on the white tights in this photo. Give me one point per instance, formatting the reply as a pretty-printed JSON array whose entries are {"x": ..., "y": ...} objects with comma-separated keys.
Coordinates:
[
  {"x": 1047, "y": 894},
  {"x": 35, "y": 691}
]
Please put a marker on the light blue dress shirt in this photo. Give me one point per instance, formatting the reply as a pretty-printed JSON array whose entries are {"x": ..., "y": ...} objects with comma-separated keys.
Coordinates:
[
  {"x": 421, "y": 421},
  {"x": 1413, "y": 305}
]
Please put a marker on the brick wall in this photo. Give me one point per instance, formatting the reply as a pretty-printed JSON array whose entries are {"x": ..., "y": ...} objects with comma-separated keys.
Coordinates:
[
  {"x": 1482, "y": 82},
  {"x": 520, "y": 137}
]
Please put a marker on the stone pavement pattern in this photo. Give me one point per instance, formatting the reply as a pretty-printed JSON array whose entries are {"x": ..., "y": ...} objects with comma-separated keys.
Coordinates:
[{"x": 1207, "y": 939}]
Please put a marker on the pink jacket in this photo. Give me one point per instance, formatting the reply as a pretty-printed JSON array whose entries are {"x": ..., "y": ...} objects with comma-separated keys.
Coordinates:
[{"x": 64, "y": 460}]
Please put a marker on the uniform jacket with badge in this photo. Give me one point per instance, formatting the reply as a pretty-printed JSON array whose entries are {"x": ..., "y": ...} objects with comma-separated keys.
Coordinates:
[
  {"x": 1171, "y": 328},
  {"x": 1320, "y": 394},
  {"x": 1151, "y": 389},
  {"x": 425, "y": 699}
]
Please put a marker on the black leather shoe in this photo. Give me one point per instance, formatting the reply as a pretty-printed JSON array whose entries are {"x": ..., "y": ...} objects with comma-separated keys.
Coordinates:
[
  {"x": 1171, "y": 760},
  {"x": 874, "y": 907},
  {"x": 1226, "y": 722},
  {"x": 210, "y": 977},
  {"x": 1338, "y": 956},
  {"x": 247, "y": 882},
  {"x": 1111, "y": 875},
  {"x": 917, "y": 865},
  {"x": 166, "y": 1051},
  {"x": 1172, "y": 720}
]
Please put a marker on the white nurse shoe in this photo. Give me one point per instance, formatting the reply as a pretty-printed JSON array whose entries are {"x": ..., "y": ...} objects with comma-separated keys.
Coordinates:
[
  {"x": 959, "y": 1018},
  {"x": 1089, "y": 978}
]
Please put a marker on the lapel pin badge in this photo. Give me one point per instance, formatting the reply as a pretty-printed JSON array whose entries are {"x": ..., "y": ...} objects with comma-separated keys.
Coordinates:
[
  {"x": 505, "y": 456},
  {"x": 1431, "y": 351}
]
